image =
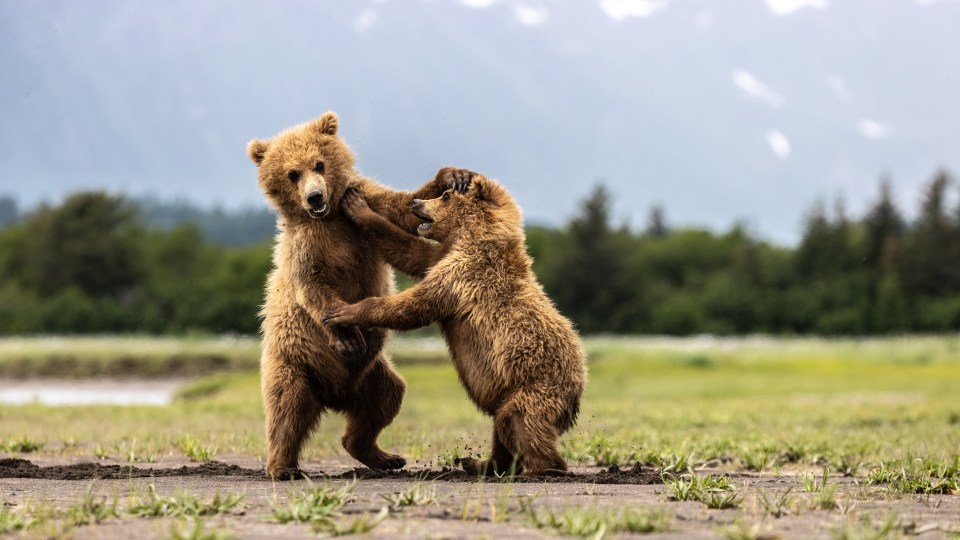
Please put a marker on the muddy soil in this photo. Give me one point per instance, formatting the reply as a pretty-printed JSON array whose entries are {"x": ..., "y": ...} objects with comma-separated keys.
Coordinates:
[
  {"x": 21, "y": 468},
  {"x": 462, "y": 507}
]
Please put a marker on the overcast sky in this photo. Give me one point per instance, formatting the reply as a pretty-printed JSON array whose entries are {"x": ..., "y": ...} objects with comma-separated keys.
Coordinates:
[{"x": 725, "y": 111}]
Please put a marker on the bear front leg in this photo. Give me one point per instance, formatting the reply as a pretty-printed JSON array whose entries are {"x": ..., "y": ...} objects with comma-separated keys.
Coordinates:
[
  {"x": 406, "y": 252},
  {"x": 375, "y": 404},
  {"x": 404, "y": 311},
  {"x": 396, "y": 205},
  {"x": 292, "y": 412},
  {"x": 347, "y": 341}
]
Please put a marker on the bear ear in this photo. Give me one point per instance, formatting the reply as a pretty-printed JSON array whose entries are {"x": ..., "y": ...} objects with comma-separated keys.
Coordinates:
[
  {"x": 327, "y": 124},
  {"x": 480, "y": 188},
  {"x": 256, "y": 149}
]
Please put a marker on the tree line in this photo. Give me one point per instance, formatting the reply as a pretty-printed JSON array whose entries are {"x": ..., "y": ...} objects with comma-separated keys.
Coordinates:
[{"x": 90, "y": 264}]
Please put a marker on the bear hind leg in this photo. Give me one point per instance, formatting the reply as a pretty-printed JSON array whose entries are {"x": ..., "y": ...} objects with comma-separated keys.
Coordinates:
[
  {"x": 529, "y": 427},
  {"x": 375, "y": 404},
  {"x": 292, "y": 412},
  {"x": 502, "y": 460}
]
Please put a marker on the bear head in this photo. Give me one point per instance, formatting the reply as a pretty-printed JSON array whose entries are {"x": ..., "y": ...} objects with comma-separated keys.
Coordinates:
[
  {"x": 485, "y": 210},
  {"x": 306, "y": 169}
]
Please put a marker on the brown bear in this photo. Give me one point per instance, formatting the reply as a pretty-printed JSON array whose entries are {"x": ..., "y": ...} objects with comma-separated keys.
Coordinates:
[
  {"x": 320, "y": 259},
  {"x": 519, "y": 359}
]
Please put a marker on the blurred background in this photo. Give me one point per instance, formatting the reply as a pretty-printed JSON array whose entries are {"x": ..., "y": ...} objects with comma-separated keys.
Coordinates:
[{"x": 685, "y": 167}]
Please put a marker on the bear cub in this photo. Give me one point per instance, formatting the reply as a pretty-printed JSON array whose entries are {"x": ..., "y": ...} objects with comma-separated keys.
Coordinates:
[
  {"x": 518, "y": 358},
  {"x": 322, "y": 259}
]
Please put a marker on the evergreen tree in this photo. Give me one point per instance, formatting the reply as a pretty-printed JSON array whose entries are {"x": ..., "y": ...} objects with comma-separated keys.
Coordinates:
[
  {"x": 815, "y": 255},
  {"x": 657, "y": 223},
  {"x": 884, "y": 229},
  {"x": 91, "y": 242},
  {"x": 589, "y": 282},
  {"x": 8, "y": 211},
  {"x": 927, "y": 270}
]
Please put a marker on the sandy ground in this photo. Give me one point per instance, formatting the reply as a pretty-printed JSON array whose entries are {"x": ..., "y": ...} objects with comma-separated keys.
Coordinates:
[{"x": 466, "y": 508}]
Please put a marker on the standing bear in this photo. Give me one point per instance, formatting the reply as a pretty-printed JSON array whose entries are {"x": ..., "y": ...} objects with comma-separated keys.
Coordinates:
[
  {"x": 321, "y": 259},
  {"x": 519, "y": 359}
]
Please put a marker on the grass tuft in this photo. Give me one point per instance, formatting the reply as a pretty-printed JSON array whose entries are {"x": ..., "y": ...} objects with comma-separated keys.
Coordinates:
[
  {"x": 590, "y": 522},
  {"x": 415, "y": 495},
  {"x": 778, "y": 505},
  {"x": 195, "y": 529},
  {"x": 20, "y": 445},
  {"x": 358, "y": 525},
  {"x": 315, "y": 504},
  {"x": 13, "y": 520},
  {"x": 191, "y": 447},
  {"x": 926, "y": 476},
  {"x": 92, "y": 509},
  {"x": 183, "y": 504}
]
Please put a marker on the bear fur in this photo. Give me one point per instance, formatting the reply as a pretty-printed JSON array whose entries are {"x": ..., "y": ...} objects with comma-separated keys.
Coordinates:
[
  {"x": 519, "y": 359},
  {"x": 322, "y": 259}
]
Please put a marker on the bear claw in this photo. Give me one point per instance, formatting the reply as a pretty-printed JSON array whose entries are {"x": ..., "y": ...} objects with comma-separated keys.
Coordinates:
[
  {"x": 387, "y": 462},
  {"x": 290, "y": 473}
]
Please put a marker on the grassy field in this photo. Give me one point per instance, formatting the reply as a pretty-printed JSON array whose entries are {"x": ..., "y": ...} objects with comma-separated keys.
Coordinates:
[
  {"x": 748, "y": 438},
  {"x": 753, "y": 403}
]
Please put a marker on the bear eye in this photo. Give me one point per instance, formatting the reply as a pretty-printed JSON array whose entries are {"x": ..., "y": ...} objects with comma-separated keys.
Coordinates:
[
  {"x": 293, "y": 176},
  {"x": 318, "y": 167},
  {"x": 446, "y": 196}
]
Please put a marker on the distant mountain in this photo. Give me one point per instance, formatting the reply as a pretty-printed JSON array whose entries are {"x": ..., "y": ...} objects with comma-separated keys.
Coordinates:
[{"x": 719, "y": 112}]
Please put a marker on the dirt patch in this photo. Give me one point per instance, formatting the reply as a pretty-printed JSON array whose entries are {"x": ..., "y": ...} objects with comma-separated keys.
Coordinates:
[
  {"x": 612, "y": 475},
  {"x": 22, "y": 468},
  {"x": 492, "y": 509}
]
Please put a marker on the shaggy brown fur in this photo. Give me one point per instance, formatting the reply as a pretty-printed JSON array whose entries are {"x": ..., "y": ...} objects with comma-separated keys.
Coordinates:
[
  {"x": 519, "y": 359},
  {"x": 321, "y": 259}
]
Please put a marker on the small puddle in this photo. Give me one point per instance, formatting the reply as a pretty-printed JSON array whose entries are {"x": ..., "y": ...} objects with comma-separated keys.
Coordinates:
[{"x": 106, "y": 392}]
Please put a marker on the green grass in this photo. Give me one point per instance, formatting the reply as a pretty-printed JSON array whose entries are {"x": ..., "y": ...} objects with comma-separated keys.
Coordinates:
[
  {"x": 928, "y": 475},
  {"x": 714, "y": 492},
  {"x": 359, "y": 525},
  {"x": 848, "y": 405},
  {"x": 196, "y": 529},
  {"x": 183, "y": 504},
  {"x": 152, "y": 356},
  {"x": 590, "y": 522},
  {"x": 92, "y": 509},
  {"x": 195, "y": 451},
  {"x": 13, "y": 520},
  {"x": 416, "y": 495},
  {"x": 20, "y": 445},
  {"x": 317, "y": 503},
  {"x": 319, "y": 506}
]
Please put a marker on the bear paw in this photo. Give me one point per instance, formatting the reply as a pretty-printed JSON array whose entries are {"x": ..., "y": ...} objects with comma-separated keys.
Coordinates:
[
  {"x": 348, "y": 341},
  {"x": 385, "y": 462},
  {"x": 555, "y": 473},
  {"x": 486, "y": 467},
  {"x": 457, "y": 179},
  {"x": 355, "y": 207},
  {"x": 288, "y": 473}
]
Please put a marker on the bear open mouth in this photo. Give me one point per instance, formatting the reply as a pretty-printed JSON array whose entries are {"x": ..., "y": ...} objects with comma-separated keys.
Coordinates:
[
  {"x": 320, "y": 211},
  {"x": 427, "y": 221},
  {"x": 420, "y": 214}
]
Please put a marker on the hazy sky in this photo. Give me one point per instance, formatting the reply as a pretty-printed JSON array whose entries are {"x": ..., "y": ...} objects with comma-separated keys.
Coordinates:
[{"x": 720, "y": 111}]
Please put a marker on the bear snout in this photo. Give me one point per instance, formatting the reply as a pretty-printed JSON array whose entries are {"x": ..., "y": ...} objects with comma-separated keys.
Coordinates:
[
  {"x": 316, "y": 206},
  {"x": 315, "y": 198}
]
